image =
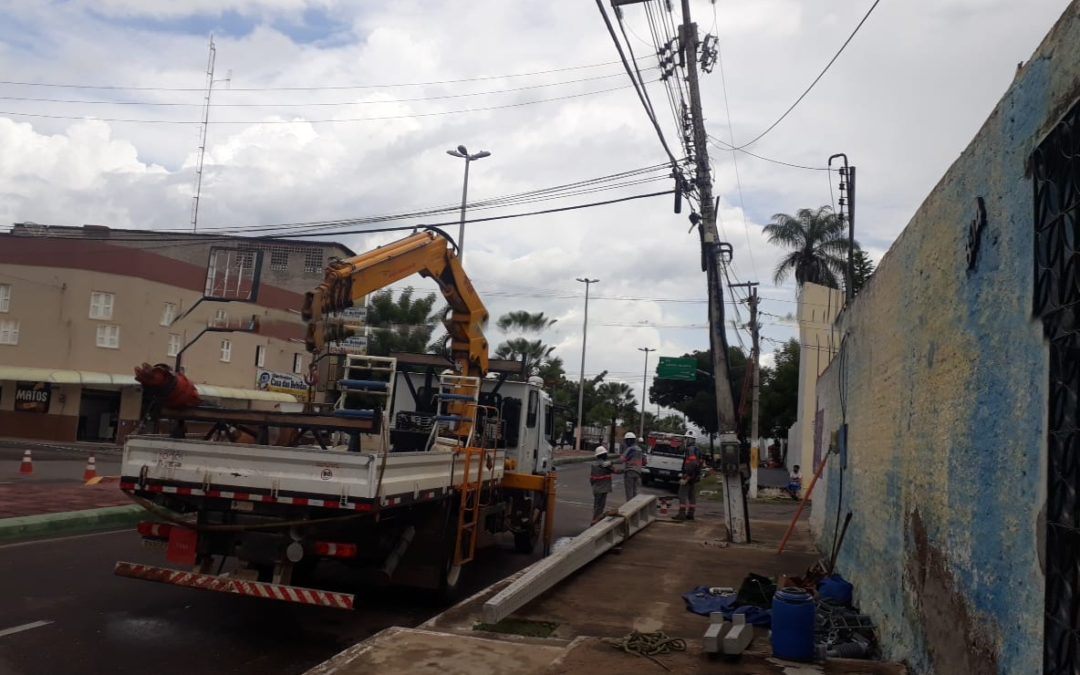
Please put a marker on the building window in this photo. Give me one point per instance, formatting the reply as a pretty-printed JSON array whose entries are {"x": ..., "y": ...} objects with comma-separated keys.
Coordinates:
[
  {"x": 174, "y": 344},
  {"x": 279, "y": 259},
  {"x": 9, "y": 332},
  {"x": 101, "y": 305},
  {"x": 168, "y": 314},
  {"x": 221, "y": 318},
  {"x": 313, "y": 263},
  {"x": 108, "y": 336},
  {"x": 226, "y": 350},
  {"x": 5, "y": 297},
  {"x": 298, "y": 363},
  {"x": 260, "y": 356}
]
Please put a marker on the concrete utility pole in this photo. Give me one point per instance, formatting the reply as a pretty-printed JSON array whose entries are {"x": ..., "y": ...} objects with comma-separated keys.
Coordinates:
[
  {"x": 463, "y": 153},
  {"x": 581, "y": 380},
  {"x": 847, "y": 212},
  {"x": 755, "y": 358},
  {"x": 645, "y": 390},
  {"x": 734, "y": 502}
]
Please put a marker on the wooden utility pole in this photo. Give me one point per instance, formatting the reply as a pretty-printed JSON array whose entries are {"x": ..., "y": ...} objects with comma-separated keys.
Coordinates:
[
  {"x": 735, "y": 504},
  {"x": 755, "y": 361}
]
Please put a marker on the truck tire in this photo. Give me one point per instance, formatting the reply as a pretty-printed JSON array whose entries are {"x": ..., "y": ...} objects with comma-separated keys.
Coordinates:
[{"x": 525, "y": 542}]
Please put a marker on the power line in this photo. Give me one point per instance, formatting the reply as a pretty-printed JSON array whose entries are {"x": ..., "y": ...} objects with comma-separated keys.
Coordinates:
[
  {"x": 309, "y": 104},
  {"x": 57, "y": 85},
  {"x": 398, "y": 228},
  {"x": 816, "y": 79},
  {"x": 724, "y": 145},
  {"x": 637, "y": 88},
  {"x": 317, "y": 121},
  {"x": 735, "y": 156}
]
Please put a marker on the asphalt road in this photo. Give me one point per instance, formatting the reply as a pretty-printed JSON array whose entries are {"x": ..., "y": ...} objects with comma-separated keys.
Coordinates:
[
  {"x": 55, "y": 465},
  {"x": 99, "y": 623}
]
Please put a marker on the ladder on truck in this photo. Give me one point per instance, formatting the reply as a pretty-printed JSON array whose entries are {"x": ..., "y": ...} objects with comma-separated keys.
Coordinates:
[
  {"x": 455, "y": 417},
  {"x": 481, "y": 455},
  {"x": 366, "y": 387},
  {"x": 458, "y": 427}
]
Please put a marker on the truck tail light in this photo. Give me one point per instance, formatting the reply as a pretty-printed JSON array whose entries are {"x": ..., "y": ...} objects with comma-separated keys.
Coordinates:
[
  {"x": 331, "y": 549},
  {"x": 151, "y": 530}
]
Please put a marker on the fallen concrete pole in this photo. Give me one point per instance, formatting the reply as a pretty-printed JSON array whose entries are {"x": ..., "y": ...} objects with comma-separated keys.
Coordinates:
[{"x": 586, "y": 547}]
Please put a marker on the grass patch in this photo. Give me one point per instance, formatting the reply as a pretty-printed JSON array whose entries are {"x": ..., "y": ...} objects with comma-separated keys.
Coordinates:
[
  {"x": 523, "y": 627},
  {"x": 711, "y": 488}
]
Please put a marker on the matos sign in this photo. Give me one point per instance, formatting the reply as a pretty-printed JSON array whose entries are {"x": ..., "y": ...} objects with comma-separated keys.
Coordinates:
[{"x": 33, "y": 396}]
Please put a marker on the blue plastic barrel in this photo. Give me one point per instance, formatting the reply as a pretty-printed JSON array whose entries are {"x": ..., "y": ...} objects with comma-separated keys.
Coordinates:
[{"x": 792, "y": 637}]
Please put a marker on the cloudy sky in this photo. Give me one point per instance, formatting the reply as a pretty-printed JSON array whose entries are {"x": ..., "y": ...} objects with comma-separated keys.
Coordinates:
[{"x": 903, "y": 100}]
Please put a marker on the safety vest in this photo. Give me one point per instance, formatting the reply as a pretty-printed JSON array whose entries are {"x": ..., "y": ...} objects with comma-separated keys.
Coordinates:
[
  {"x": 692, "y": 465},
  {"x": 632, "y": 457},
  {"x": 600, "y": 476}
]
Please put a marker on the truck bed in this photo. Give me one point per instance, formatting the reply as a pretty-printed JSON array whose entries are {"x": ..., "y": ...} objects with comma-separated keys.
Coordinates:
[{"x": 302, "y": 476}]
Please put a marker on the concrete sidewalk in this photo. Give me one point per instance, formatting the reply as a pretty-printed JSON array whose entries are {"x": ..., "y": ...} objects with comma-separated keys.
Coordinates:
[{"x": 637, "y": 588}]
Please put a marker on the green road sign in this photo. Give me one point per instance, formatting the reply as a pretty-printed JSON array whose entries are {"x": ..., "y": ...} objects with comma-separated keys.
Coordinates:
[{"x": 672, "y": 368}]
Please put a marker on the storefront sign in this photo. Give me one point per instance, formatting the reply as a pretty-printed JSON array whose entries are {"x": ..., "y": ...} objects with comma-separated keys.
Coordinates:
[
  {"x": 282, "y": 383},
  {"x": 33, "y": 396}
]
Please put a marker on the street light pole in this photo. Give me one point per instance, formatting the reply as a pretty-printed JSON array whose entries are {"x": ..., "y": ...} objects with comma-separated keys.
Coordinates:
[
  {"x": 463, "y": 153},
  {"x": 644, "y": 389},
  {"x": 581, "y": 380}
]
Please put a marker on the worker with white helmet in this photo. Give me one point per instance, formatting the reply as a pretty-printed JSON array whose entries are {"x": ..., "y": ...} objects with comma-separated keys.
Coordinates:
[
  {"x": 600, "y": 479},
  {"x": 633, "y": 461}
]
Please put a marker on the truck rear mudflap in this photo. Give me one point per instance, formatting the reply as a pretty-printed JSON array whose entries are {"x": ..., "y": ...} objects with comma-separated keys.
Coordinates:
[{"x": 227, "y": 584}]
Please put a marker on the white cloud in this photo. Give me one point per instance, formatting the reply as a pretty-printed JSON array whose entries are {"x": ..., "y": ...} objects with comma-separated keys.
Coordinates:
[{"x": 903, "y": 101}]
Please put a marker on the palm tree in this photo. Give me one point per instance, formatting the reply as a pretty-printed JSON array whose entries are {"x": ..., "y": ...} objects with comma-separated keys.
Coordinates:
[
  {"x": 819, "y": 246},
  {"x": 524, "y": 321},
  {"x": 401, "y": 325},
  {"x": 535, "y": 353}
]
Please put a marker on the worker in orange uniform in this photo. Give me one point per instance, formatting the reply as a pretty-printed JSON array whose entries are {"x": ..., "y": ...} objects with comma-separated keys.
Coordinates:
[
  {"x": 688, "y": 480},
  {"x": 600, "y": 479}
]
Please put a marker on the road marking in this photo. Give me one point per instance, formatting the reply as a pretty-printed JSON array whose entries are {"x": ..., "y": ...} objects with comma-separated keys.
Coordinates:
[{"x": 26, "y": 626}]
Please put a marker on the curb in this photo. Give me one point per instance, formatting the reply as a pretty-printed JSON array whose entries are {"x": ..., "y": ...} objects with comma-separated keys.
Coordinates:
[{"x": 45, "y": 525}]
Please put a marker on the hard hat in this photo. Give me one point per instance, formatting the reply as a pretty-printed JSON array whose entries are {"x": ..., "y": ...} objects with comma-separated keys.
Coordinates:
[
  {"x": 629, "y": 436},
  {"x": 600, "y": 450}
]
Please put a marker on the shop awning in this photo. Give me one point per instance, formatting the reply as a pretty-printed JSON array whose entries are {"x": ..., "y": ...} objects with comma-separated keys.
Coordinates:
[{"x": 64, "y": 376}]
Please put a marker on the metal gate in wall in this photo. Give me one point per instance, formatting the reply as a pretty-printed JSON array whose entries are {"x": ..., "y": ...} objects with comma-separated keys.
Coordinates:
[{"x": 1056, "y": 176}]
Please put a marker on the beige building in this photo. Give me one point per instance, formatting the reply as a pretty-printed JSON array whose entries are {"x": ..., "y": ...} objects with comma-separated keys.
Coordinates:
[
  {"x": 81, "y": 307},
  {"x": 819, "y": 341}
]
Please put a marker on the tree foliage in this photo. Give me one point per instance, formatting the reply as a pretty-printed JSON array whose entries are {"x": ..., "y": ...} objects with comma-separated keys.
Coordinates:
[
  {"x": 404, "y": 324},
  {"x": 817, "y": 240},
  {"x": 779, "y": 398},
  {"x": 863, "y": 268},
  {"x": 697, "y": 399}
]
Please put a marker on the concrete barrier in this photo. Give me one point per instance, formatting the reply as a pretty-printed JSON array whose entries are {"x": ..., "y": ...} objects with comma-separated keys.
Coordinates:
[{"x": 586, "y": 547}]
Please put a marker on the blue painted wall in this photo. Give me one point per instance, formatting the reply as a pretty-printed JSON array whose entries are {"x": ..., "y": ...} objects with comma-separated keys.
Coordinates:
[{"x": 944, "y": 375}]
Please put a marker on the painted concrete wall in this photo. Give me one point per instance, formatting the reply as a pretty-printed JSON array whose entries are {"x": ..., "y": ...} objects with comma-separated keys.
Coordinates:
[
  {"x": 944, "y": 373},
  {"x": 818, "y": 307}
]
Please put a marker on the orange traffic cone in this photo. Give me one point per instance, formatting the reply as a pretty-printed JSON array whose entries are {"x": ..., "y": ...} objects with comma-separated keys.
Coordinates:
[
  {"x": 27, "y": 466},
  {"x": 91, "y": 471}
]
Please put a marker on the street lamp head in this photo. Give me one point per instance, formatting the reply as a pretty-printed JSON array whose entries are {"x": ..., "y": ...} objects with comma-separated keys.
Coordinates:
[
  {"x": 588, "y": 281},
  {"x": 454, "y": 153},
  {"x": 463, "y": 151},
  {"x": 480, "y": 155}
]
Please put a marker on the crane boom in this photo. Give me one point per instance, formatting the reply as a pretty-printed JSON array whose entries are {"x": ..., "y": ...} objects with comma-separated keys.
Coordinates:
[{"x": 429, "y": 254}]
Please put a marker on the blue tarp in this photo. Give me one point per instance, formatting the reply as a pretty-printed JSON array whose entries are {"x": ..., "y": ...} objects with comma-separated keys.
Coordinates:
[{"x": 700, "y": 601}]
